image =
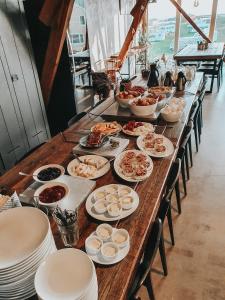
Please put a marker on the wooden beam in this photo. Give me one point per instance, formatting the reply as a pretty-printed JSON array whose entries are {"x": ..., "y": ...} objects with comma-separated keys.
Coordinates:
[
  {"x": 48, "y": 12},
  {"x": 177, "y": 29},
  {"x": 59, "y": 24},
  {"x": 188, "y": 18},
  {"x": 213, "y": 19},
  {"x": 137, "y": 12}
]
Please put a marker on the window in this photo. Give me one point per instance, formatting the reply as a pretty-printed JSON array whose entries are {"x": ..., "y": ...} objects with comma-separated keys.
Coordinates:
[
  {"x": 162, "y": 21},
  {"x": 82, "y": 20},
  {"x": 219, "y": 34},
  {"x": 201, "y": 15},
  {"x": 80, "y": 3},
  {"x": 77, "y": 38}
]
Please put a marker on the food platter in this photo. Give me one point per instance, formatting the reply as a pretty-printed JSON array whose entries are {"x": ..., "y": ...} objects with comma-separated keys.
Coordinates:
[
  {"x": 94, "y": 166},
  {"x": 107, "y": 128},
  {"x": 92, "y": 199},
  {"x": 155, "y": 145},
  {"x": 83, "y": 142},
  {"x": 133, "y": 128},
  {"x": 133, "y": 165}
]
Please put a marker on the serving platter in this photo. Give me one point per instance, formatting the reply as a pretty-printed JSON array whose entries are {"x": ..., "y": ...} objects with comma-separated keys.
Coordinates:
[
  {"x": 107, "y": 128},
  {"x": 133, "y": 178},
  {"x": 105, "y": 216},
  {"x": 142, "y": 129},
  {"x": 83, "y": 142},
  {"x": 97, "y": 173},
  {"x": 152, "y": 152},
  {"x": 100, "y": 260}
]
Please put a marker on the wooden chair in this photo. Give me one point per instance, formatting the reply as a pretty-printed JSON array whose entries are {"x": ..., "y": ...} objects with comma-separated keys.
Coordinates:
[
  {"x": 76, "y": 118},
  {"x": 183, "y": 154},
  {"x": 143, "y": 274}
]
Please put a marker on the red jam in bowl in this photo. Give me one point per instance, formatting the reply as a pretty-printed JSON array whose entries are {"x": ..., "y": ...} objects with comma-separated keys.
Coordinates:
[{"x": 52, "y": 194}]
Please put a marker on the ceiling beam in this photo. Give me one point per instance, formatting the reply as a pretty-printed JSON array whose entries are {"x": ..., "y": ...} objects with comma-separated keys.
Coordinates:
[
  {"x": 56, "y": 14},
  {"x": 190, "y": 21},
  {"x": 213, "y": 19},
  {"x": 137, "y": 13}
]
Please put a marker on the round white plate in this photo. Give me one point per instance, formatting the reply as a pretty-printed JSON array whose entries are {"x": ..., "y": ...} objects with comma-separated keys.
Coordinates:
[
  {"x": 132, "y": 179},
  {"x": 45, "y": 167},
  {"x": 121, "y": 255},
  {"x": 99, "y": 173},
  {"x": 23, "y": 229},
  {"x": 144, "y": 129},
  {"x": 115, "y": 131},
  {"x": 66, "y": 273},
  {"x": 166, "y": 142},
  {"x": 106, "y": 217}
]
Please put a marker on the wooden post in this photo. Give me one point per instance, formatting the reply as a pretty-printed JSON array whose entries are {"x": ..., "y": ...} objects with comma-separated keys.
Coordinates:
[
  {"x": 213, "y": 19},
  {"x": 59, "y": 21},
  {"x": 188, "y": 18},
  {"x": 177, "y": 29},
  {"x": 137, "y": 12}
]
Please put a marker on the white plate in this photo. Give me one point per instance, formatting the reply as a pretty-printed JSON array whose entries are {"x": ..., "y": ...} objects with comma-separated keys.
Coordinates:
[
  {"x": 45, "y": 167},
  {"x": 115, "y": 131},
  {"x": 23, "y": 229},
  {"x": 98, "y": 173},
  {"x": 120, "y": 256},
  {"x": 106, "y": 217},
  {"x": 131, "y": 179},
  {"x": 166, "y": 142},
  {"x": 148, "y": 127}
]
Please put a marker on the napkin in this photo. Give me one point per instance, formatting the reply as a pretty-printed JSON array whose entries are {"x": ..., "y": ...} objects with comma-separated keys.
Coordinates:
[{"x": 14, "y": 201}]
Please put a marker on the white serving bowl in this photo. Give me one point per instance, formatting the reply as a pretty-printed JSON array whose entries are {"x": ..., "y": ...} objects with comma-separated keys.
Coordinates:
[
  {"x": 116, "y": 238},
  {"x": 106, "y": 249},
  {"x": 49, "y": 185},
  {"x": 172, "y": 116},
  {"x": 114, "y": 209},
  {"x": 124, "y": 102},
  {"x": 139, "y": 110},
  {"x": 127, "y": 202},
  {"x": 100, "y": 206},
  {"x": 93, "y": 245},
  {"x": 37, "y": 171},
  {"x": 102, "y": 230}
]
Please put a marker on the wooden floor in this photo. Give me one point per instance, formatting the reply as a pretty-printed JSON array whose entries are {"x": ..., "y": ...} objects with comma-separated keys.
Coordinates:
[{"x": 196, "y": 263}]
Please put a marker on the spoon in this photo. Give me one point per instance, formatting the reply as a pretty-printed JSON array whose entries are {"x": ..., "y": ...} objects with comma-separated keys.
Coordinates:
[{"x": 25, "y": 174}]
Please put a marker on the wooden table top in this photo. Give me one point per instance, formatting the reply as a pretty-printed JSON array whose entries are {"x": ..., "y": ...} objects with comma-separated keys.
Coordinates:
[
  {"x": 113, "y": 281},
  {"x": 190, "y": 52}
]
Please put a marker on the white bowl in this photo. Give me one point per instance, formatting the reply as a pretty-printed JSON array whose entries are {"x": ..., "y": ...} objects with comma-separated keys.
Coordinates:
[
  {"x": 109, "y": 251},
  {"x": 114, "y": 209},
  {"x": 104, "y": 231},
  {"x": 49, "y": 185},
  {"x": 37, "y": 171},
  {"x": 93, "y": 245},
  {"x": 100, "y": 206},
  {"x": 124, "y": 102},
  {"x": 121, "y": 238},
  {"x": 127, "y": 202},
  {"x": 173, "y": 116},
  {"x": 139, "y": 110}
]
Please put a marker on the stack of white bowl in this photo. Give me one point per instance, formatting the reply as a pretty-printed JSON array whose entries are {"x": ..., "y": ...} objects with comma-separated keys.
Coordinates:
[
  {"x": 25, "y": 241},
  {"x": 67, "y": 274}
]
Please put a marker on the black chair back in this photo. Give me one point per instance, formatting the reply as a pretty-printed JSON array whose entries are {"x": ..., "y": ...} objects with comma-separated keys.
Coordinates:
[
  {"x": 185, "y": 139},
  {"x": 150, "y": 253},
  {"x": 173, "y": 177},
  {"x": 76, "y": 118}
]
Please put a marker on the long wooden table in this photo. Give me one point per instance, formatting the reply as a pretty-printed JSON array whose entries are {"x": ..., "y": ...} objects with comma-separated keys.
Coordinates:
[
  {"x": 113, "y": 281},
  {"x": 214, "y": 52}
]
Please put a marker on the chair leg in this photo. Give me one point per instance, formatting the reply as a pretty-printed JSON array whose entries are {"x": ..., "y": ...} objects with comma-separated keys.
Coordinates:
[
  {"x": 148, "y": 284},
  {"x": 198, "y": 121},
  {"x": 186, "y": 162},
  {"x": 163, "y": 255},
  {"x": 196, "y": 137},
  {"x": 170, "y": 224},
  {"x": 183, "y": 176},
  {"x": 190, "y": 151},
  {"x": 177, "y": 190}
]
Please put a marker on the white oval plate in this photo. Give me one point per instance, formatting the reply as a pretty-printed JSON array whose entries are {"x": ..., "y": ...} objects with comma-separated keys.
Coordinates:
[
  {"x": 45, "y": 167},
  {"x": 100, "y": 260},
  {"x": 148, "y": 128},
  {"x": 113, "y": 131},
  {"x": 132, "y": 179},
  {"x": 99, "y": 173},
  {"x": 166, "y": 142},
  {"x": 105, "y": 216}
]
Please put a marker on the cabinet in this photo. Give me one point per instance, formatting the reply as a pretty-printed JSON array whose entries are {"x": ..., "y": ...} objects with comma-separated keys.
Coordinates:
[{"x": 23, "y": 122}]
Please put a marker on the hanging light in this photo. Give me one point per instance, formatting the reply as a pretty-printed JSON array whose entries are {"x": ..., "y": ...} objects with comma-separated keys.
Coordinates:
[{"x": 196, "y": 3}]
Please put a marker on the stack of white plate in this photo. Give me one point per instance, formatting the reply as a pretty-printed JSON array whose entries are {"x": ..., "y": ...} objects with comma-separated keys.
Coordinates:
[
  {"x": 67, "y": 274},
  {"x": 25, "y": 241}
]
